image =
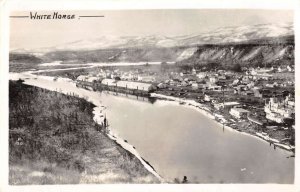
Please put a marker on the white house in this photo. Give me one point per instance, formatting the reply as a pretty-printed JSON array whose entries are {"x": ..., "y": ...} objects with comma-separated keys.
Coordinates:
[
  {"x": 215, "y": 88},
  {"x": 235, "y": 82},
  {"x": 90, "y": 79},
  {"x": 207, "y": 98},
  {"x": 225, "y": 105},
  {"x": 213, "y": 79},
  {"x": 195, "y": 86},
  {"x": 146, "y": 78},
  {"x": 162, "y": 85},
  {"x": 81, "y": 78},
  {"x": 129, "y": 76},
  {"x": 201, "y": 75},
  {"x": 238, "y": 112},
  {"x": 194, "y": 72}
]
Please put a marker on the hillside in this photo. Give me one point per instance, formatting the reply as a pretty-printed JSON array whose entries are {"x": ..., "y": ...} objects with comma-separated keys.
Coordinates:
[
  {"x": 24, "y": 58},
  {"x": 53, "y": 139},
  {"x": 254, "y": 53},
  {"x": 115, "y": 55}
]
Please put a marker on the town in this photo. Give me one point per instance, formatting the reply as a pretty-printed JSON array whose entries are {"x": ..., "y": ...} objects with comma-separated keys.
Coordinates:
[
  {"x": 146, "y": 96},
  {"x": 259, "y": 101}
]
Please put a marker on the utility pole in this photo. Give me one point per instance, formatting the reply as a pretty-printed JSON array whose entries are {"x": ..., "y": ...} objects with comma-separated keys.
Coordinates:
[{"x": 223, "y": 104}]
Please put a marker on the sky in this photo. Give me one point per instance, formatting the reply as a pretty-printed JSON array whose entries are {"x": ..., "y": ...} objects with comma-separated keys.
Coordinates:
[{"x": 31, "y": 34}]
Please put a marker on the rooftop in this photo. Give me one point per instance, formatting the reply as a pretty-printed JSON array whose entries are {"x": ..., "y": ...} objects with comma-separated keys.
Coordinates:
[{"x": 240, "y": 110}]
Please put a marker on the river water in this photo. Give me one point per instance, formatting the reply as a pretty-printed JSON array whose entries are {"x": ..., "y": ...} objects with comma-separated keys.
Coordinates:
[{"x": 180, "y": 141}]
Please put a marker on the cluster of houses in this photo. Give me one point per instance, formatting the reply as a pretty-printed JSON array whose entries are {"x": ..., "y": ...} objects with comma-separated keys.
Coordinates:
[
  {"x": 265, "y": 71},
  {"x": 250, "y": 85},
  {"x": 277, "y": 110},
  {"x": 254, "y": 83},
  {"x": 201, "y": 80},
  {"x": 134, "y": 75}
]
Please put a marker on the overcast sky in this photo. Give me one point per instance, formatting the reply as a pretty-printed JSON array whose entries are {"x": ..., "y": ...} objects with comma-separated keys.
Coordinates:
[{"x": 26, "y": 33}]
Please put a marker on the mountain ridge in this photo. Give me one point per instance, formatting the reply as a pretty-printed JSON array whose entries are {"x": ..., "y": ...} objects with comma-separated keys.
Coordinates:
[
  {"x": 256, "y": 47},
  {"x": 217, "y": 36}
]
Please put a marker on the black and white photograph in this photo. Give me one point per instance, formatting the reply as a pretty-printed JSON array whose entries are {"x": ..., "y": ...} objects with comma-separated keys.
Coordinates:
[{"x": 151, "y": 96}]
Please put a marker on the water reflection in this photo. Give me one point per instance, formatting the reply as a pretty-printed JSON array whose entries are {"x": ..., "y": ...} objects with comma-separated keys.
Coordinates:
[
  {"x": 150, "y": 100},
  {"x": 179, "y": 141}
]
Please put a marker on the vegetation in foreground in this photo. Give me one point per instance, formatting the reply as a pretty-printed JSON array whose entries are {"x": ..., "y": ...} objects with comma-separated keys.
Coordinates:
[{"x": 54, "y": 140}]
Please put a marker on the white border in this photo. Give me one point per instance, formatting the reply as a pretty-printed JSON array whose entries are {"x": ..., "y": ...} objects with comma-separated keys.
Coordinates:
[{"x": 7, "y": 6}]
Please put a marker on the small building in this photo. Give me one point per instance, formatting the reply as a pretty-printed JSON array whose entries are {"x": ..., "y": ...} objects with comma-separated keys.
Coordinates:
[
  {"x": 215, "y": 88},
  {"x": 235, "y": 82},
  {"x": 213, "y": 79},
  {"x": 162, "y": 86},
  {"x": 239, "y": 113},
  {"x": 203, "y": 86},
  {"x": 222, "y": 77},
  {"x": 146, "y": 78},
  {"x": 272, "y": 85},
  {"x": 279, "y": 69},
  {"x": 225, "y": 105},
  {"x": 247, "y": 93},
  {"x": 88, "y": 82},
  {"x": 201, "y": 75},
  {"x": 195, "y": 86},
  {"x": 262, "y": 93},
  {"x": 194, "y": 72},
  {"x": 207, "y": 98},
  {"x": 251, "y": 84},
  {"x": 81, "y": 78},
  {"x": 129, "y": 77},
  {"x": 90, "y": 79}
]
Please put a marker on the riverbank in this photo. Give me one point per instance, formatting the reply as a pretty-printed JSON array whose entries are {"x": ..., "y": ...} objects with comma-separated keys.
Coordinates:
[
  {"x": 99, "y": 118},
  {"x": 67, "y": 86},
  {"x": 203, "y": 109},
  {"x": 55, "y": 140}
]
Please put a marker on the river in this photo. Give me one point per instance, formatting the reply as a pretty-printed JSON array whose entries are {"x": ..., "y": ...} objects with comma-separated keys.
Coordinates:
[{"x": 180, "y": 141}]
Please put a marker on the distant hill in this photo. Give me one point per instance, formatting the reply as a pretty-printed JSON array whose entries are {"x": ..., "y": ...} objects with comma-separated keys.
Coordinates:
[
  {"x": 24, "y": 58},
  {"x": 116, "y": 55},
  {"x": 218, "y": 36},
  {"x": 267, "y": 44},
  {"x": 264, "y": 52}
]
